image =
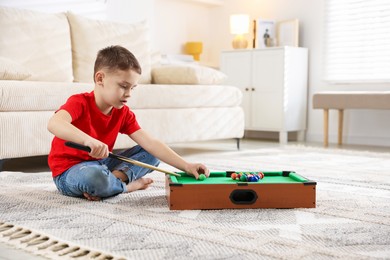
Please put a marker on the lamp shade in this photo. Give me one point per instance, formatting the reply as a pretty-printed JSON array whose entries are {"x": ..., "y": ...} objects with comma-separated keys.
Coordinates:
[{"x": 239, "y": 23}]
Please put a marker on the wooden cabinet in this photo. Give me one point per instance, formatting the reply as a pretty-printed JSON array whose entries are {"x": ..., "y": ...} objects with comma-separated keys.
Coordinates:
[{"x": 274, "y": 86}]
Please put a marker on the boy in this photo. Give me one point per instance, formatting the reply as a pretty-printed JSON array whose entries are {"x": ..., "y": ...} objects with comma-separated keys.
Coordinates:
[{"x": 94, "y": 119}]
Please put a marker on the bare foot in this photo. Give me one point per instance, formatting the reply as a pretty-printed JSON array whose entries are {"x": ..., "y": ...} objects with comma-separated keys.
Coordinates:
[
  {"x": 139, "y": 184},
  {"x": 120, "y": 175}
]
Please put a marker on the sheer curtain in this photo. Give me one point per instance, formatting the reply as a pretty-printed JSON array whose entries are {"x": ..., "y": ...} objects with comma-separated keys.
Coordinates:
[{"x": 357, "y": 41}]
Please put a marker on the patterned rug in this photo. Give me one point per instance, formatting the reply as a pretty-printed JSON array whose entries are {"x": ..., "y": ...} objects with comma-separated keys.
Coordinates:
[{"x": 351, "y": 220}]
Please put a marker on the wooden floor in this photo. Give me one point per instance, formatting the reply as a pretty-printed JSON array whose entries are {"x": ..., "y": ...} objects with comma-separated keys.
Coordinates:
[{"x": 39, "y": 164}]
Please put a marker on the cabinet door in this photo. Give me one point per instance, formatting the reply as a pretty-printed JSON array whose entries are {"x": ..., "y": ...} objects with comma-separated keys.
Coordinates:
[
  {"x": 267, "y": 95},
  {"x": 237, "y": 65}
]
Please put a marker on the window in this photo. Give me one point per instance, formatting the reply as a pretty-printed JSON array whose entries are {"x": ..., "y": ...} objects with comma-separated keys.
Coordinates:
[{"x": 357, "y": 41}]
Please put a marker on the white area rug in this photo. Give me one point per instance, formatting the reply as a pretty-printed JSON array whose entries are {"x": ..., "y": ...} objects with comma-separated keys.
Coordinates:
[{"x": 351, "y": 221}]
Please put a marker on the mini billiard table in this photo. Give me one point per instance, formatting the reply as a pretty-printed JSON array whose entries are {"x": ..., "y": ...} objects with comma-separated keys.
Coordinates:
[{"x": 278, "y": 189}]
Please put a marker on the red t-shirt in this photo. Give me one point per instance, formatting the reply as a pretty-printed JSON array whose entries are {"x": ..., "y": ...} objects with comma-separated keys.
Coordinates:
[{"x": 87, "y": 117}]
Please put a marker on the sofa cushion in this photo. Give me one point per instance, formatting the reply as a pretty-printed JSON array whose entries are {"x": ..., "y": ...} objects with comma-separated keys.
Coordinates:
[
  {"x": 37, "y": 96},
  {"x": 189, "y": 124},
  {"x": 45, "y": 96},
  {"x": 39, "y": 42},
  {"x": 184, "y": 96},
  {"x": 11, "y": 70},
  {"x": 89, "y": 36},
  {"x": 187, "y": 74}
]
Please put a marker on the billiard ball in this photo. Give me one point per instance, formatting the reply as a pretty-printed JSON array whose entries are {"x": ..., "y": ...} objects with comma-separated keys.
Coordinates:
[{"x": 202, "y": 177}]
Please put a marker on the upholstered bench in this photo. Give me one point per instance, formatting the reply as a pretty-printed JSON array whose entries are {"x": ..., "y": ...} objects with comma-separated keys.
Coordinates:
[{"x": 342, "y": 100}]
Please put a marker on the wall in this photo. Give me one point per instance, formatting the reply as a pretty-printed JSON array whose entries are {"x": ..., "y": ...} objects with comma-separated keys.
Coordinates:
[
  {"x": 178, "y": 22},
  {"x": 172, "y": 22}
]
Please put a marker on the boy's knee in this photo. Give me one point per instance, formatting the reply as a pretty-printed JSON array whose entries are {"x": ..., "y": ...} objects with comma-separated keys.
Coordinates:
[{"x": 96, "y": 180}]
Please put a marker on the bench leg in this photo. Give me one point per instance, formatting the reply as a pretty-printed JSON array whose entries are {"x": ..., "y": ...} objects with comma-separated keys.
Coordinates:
[
  {"x": 340, "y": 133},
  {"x": 326, "y": 122}
]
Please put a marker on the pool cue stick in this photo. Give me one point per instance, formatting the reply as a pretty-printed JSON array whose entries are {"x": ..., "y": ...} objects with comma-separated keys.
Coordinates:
[{"x": 122, "y": 158}]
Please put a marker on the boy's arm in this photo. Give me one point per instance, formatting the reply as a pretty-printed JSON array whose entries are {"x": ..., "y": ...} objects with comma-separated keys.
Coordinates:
[
  {"x": 60, "y": 125},
  {"x": 166, "y": 154}
]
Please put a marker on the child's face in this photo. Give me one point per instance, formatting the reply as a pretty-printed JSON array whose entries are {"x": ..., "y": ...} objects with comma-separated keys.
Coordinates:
[{"x": 117, "y": 86}]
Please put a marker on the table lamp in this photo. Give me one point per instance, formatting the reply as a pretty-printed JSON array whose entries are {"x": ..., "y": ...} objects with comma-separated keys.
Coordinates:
[
  {"x": 195, "y": 49},
  {"x": 239, "y": 25}
]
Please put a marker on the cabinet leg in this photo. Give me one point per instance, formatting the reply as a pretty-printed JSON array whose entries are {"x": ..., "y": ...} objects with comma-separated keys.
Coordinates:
[
  {"x": 283, "y": 136},
  {"x": 301, "y": 136}
]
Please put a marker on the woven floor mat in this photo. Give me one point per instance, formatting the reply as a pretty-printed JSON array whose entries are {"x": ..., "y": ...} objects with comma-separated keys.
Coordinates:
[{"x": 351, "y": 220}]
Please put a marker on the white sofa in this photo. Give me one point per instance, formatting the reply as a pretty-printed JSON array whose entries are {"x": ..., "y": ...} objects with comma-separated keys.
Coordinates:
[{"x": 45, "y": 58}]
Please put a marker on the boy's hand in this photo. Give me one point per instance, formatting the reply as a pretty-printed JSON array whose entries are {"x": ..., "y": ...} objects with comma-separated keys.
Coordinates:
[
  {"x": 197, "y": 168},
  {"x": 99, "y": 149}
]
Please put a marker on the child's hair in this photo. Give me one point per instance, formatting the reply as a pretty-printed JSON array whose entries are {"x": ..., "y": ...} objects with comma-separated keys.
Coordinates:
[{"x": 116, "y": 57}]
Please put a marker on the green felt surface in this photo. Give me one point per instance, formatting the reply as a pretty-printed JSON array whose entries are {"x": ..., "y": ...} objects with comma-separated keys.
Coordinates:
[{"x": 220, "y": 178}]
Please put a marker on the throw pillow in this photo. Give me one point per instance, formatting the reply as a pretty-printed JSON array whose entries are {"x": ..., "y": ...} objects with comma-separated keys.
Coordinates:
[
  {"x": 10, "y": 70},
  {"x": 40, "y": 42},
  {"x": 187, "y": 75},
  {"x": 89, "y": 36}
]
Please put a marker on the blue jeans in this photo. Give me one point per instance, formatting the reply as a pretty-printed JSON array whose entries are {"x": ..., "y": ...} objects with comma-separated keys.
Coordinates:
[{"x": 96, "y": 178}]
